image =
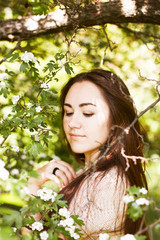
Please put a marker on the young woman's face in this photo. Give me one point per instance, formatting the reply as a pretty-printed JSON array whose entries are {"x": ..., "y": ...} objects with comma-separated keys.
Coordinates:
[{"x": 86, "y": 119}]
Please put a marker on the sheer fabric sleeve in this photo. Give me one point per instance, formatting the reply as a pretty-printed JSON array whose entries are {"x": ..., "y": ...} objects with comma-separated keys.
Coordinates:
[{"x": 99, "y": 203}]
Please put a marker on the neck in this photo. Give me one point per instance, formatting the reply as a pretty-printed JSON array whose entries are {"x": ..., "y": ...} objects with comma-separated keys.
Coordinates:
[{"x": 91, "y": 157}]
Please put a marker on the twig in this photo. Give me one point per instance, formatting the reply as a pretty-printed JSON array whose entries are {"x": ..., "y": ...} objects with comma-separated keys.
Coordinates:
[{"x": 11, "y": 51}]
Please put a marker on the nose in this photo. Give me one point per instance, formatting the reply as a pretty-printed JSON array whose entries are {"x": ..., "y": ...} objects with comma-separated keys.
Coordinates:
[{"x": 75, "y": 121}]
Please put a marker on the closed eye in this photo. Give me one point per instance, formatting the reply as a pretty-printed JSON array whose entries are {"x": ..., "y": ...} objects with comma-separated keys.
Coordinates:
[
  {"x": 88, "y": 114},
  {"x": 69, "y": 113}
]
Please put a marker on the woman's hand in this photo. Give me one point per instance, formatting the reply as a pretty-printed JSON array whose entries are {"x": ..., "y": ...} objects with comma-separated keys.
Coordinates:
[{"x": 63, "y": 175}]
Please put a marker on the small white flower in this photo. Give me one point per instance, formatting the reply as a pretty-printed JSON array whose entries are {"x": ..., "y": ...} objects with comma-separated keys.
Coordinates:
[
  {"x": 28, "y": 57},
  {"x": 15, "y": 148},
  {"x": 75, "y": 236},
  {"x": 2, "y": 68},
  {"x": 14, "y": 171},
  {"x": 128, "y": 237},
  {"x": 44, "y": 235},
  {"x": 4, "y": 174},
  {"x": 37, "y": 226},
  {"x": 103, "y": 236},
  {"x": 25, "y": 191},
  {"x": 4, "y": 76},
  {"x": 14, "y": 229},
  {"x": 70, "y": 222},
  {"x": 45, "y": 86},
  {"x": 142, "y": 201},
  {"x": 143, "y": 191},
  {"x": 127, "y": 199},
  {"x": 2, "y": 164},
  {"x": 15, "y": 99},
  {"x": 62, "y": 223},
  {"x": 64, "y": 212},
  {"x": 38, "y": 109},
  {"x": 2, "y": 84},
  {"x": 45, "y": 194},
  {"x": 29, "y": 105}
]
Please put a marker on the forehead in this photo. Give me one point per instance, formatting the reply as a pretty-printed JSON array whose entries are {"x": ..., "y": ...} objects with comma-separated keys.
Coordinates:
[{"x": 84, "y": 91}]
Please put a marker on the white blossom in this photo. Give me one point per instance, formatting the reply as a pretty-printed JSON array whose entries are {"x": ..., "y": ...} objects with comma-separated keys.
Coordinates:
[
  {"x": 64, "y": 212},
  {"x": 45, "y": 86},
  {"x": 2, "y": 164},
  {"x": 28, "y": 57},
  {"x": 15, "y": 99},
  {"x": 25, "y": 191},
  {"x": 14, "y": 171},
  {"x": 38, "y": 109},
  {"x": 45, "y": 194},
  {"x": 2, "y": 84},
  {"x": 44, "y": 235},
  {"x": 70, "y": 222},
  {"x": 127, "y": 199},
  {"x": 62, "y": 223},
  {"x": 14, "y": 229},
  {"x": 15, "y": 148},
  {"x": 103, "y": 236},
  {"x": 4, "y": 76},
  {"x": 4, "y": 174},
  {"x": 29, "y": 105},
  {"x": 37, "y": 226},
  {"x": 143, "y": 191},
  {"x": 75, "y": 236},
  {"x": 142, "y": 201},
  {"x": 128, "y": 237},
  {"x": 2, "y": 68}
]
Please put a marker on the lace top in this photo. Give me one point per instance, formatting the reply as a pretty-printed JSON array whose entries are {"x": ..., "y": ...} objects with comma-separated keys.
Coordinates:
[{"x": 98, "y": 202}]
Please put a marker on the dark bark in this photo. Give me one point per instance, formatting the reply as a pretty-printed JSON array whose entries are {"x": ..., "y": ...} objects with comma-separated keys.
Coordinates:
[{"x": 114, "y": 12}]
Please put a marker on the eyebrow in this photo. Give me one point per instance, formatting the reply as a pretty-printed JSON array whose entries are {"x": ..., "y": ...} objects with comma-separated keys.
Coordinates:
[{"x": 80, "y": 105}]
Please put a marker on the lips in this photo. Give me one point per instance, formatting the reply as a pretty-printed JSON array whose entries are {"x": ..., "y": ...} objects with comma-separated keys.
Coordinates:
[{"x": 76, "y": 136}]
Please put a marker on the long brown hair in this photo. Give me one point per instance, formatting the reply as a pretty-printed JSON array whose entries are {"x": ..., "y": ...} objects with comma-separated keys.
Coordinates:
[{"x": 122, "y": 114}]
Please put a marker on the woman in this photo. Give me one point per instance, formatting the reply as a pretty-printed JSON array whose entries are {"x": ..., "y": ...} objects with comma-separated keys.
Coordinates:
[{"x": 97, "y": 113}]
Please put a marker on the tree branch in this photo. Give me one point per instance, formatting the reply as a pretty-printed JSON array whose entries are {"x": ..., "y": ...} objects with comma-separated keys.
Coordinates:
[{"x": 114, "y": 12}]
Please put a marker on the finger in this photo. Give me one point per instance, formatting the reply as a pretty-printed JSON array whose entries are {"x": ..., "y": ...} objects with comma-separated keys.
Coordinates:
[
  {"x": 64, "y": 164},
  {"x": 64, "y": 177},
  {"x": 54, "y": 178},
  {"x": 67, "y": 169}
]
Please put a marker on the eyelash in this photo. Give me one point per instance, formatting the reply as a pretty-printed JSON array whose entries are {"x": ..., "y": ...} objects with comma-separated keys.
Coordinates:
[{"x": 85, "y": 114}]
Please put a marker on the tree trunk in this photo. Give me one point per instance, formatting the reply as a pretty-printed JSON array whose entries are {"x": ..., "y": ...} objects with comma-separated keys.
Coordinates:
[{"x": 114, "y": 12}]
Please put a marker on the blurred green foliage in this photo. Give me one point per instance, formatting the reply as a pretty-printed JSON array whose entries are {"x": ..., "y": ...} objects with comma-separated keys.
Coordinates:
[{"x": 129, "y": 50}]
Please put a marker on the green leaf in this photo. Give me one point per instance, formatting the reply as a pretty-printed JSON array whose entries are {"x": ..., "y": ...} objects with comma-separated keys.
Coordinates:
[
  {"x": 135, "y": 211},
  {"x": 35, "y": 149},
  {"x": 68, "y": 68},
  {"x": 12, "y": 56},
  {"x": 140, "y": 237},
  {"x": 24, "y": 66},
  {"x": 77, "y": 220}
]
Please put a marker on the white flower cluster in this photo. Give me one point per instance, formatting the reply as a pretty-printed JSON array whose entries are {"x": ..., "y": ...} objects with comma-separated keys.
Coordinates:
[
  {"x": 4, "y": 174},
  {"x": 46, "y": 194},
  {"x": 44, "y": 235},
  {"x": 68, "y": 222},
  {"x": 103, "y": 236},
  {"x": 3, "y": 76},
  {"x": 45, "y": 86},
  {"x": 142, "y": 201},
  {"x": 143, "y": 191},
  {"x": 37, "y": 226},
  {"x": 128, "y": 237},
  {"x": 127, "y": 199},
  {"x": 15, "y": 148},
  {"x": 15, "y": 99},
  {"x": 38, "y": 109},
  {"x": 28, "y": 57}
]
